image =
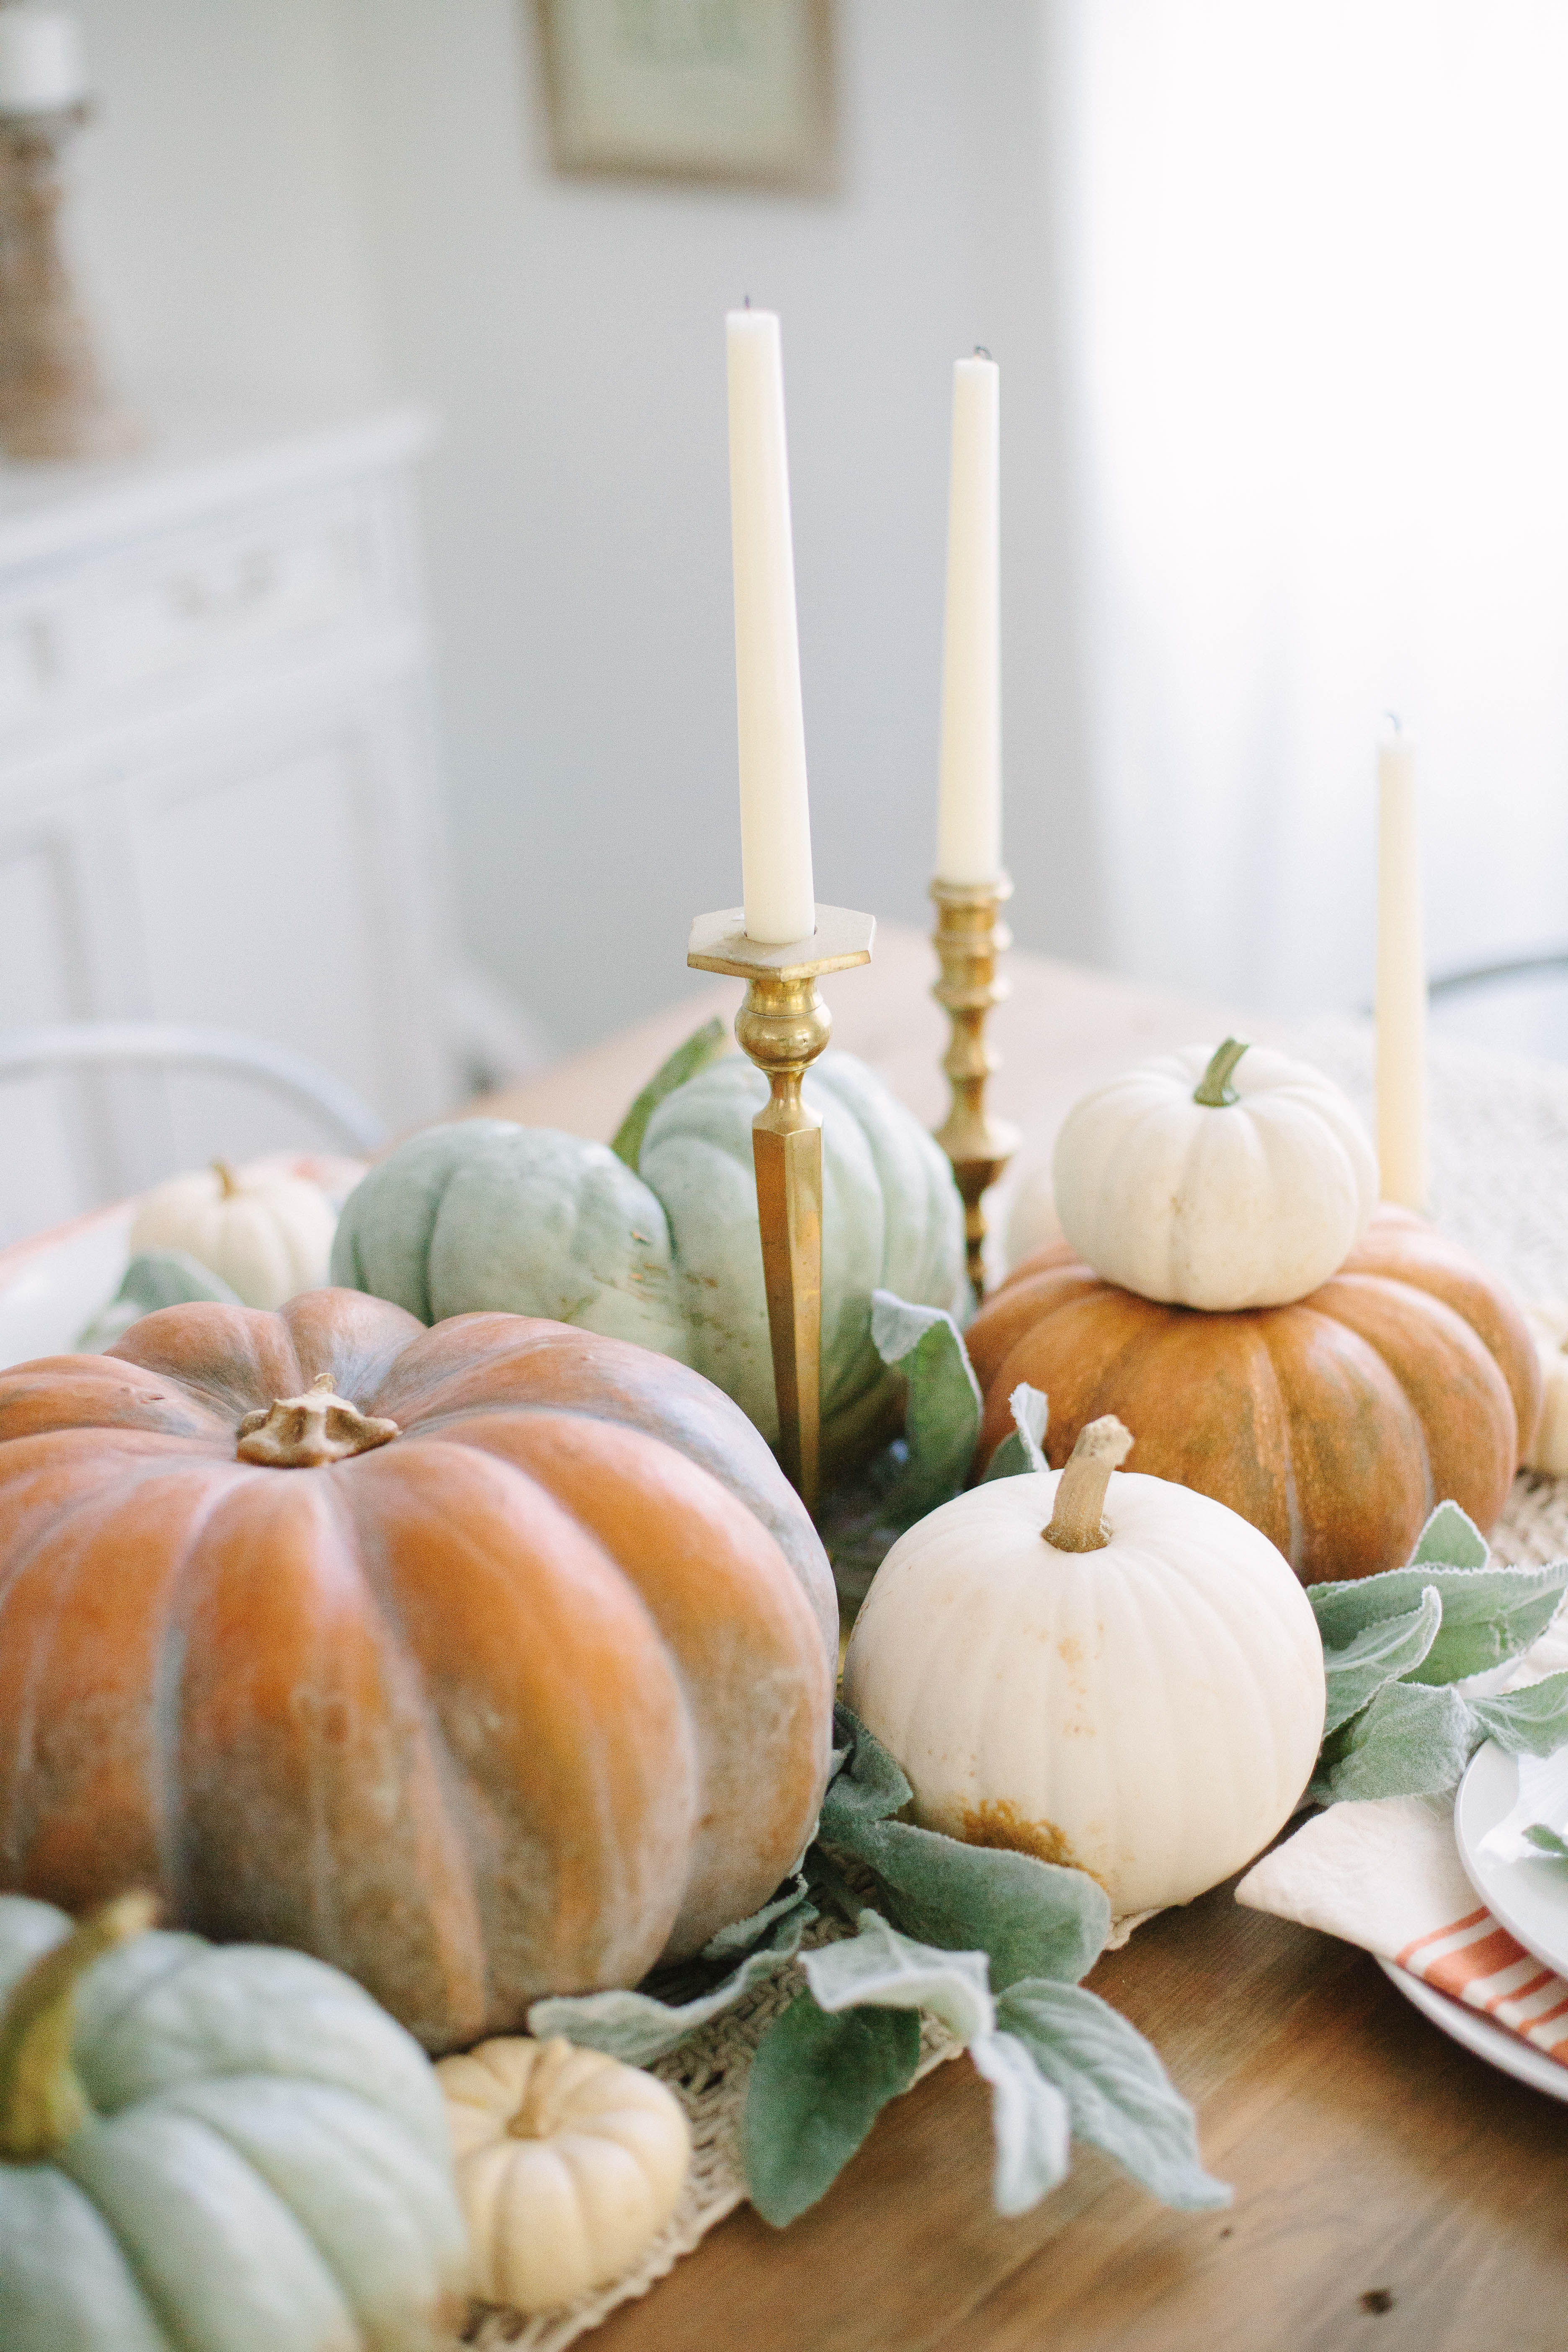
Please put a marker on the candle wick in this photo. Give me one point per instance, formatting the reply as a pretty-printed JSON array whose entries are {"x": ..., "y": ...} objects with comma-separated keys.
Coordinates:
[
  {"x": 981, "y": 352},
  {"x": 747, "y": 303},
  {"x": 1392, "y": 719}
]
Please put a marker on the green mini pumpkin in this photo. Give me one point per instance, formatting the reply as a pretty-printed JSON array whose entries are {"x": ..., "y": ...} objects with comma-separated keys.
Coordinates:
[
  {"x": 212, "y": 2151},
  {"x": 485, "y": 1215}
]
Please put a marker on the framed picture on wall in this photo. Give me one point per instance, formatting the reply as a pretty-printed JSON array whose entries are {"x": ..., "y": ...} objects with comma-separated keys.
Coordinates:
[{"x": 736, "y": 92}]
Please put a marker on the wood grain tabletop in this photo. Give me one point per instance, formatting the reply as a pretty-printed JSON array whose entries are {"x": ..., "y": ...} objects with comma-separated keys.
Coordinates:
[{"x": 1392, "y": 2190}]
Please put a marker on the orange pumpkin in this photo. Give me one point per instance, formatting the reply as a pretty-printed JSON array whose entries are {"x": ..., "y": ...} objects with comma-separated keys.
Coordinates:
[
  {"x": 502, "y": 1665},
  {"x": 1333, "y": 1424}
]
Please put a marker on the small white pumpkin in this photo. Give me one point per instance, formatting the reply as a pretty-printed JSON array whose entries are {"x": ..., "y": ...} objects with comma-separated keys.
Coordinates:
[
  {"x": 569, "y": 2165},
  {"x": 1218, "y": 1177},
  {"x": 1141, "y": 1699},
  {"x": 1548, "y": 1448},
  {"x": 267, "y": 1236}
]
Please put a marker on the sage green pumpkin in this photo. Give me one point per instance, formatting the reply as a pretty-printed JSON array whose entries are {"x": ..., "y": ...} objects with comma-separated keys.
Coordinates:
[
  {"x": 485, "y": 1215},
  {"x": 235, "y": 2150}
]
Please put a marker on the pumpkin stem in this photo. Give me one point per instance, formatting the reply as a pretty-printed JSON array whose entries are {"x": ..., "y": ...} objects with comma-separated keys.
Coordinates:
[
  {"x": 226, "y": 1179},
  {"x": 1076, "y": 1523},
  {"x": 539, "y": 2116},
  {"x": 302, "y": 1432},
  {"x": 42, "y": 2103},
  {"x": 1214, "y": 1089}
]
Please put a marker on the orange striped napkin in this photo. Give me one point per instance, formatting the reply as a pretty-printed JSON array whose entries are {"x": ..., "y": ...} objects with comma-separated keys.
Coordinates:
[{"x": 1387, "y": 1875}]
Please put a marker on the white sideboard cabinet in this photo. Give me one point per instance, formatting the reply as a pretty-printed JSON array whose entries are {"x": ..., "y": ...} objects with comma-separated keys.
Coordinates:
[{"x": 218, "y": 793}]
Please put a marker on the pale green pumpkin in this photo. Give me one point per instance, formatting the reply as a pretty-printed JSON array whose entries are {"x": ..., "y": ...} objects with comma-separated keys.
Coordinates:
[
  {"x": 487, "y": 1215},
  {"x": 212, "y": 2151}
]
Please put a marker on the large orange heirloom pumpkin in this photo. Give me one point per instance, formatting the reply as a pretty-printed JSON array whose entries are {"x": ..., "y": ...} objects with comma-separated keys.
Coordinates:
[
  {"x": 483, "y": 1662},
  {"x": 1333, "y": 1424}
]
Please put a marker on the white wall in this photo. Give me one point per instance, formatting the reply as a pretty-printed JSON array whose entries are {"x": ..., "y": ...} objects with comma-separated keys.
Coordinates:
[
  {"x": 213, "y": 210},
  {"x": 329, "y": 203}
]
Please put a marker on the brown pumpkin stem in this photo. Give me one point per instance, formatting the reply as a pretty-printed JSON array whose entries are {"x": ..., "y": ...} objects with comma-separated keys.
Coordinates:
[
  {"x": 302, "y": 1432},
  {"x": 42, "y": 2103},
  {"x": 1076, "y": 1523},
  {"x": 1214, "y": 1089},
  {"x": 226, "y": 1179},
  {"x": 538, "y": 2116}
]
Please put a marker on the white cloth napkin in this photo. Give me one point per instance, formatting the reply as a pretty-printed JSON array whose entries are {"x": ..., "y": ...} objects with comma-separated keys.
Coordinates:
[{"x": 1387, "y": 1875}]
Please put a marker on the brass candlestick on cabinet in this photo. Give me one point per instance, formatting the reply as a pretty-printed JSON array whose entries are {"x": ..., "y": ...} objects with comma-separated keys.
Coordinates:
[
  {"x": 970, "y": 938},
  {"x": 783, "y": 1025}
]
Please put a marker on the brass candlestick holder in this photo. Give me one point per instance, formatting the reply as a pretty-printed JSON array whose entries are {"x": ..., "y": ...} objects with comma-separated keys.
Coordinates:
[
  {"x": 783, "y": 1025},
  {"x": 970, "y": 939},
  {"x": 53, "y": 402}
]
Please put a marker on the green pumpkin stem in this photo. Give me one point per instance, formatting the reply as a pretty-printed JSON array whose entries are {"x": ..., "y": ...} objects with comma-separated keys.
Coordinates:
[
  {"x": 42, "y": 2104},
  {"x": 1214, "y": 1089},
  {"x": 1075, "y": 1522}
]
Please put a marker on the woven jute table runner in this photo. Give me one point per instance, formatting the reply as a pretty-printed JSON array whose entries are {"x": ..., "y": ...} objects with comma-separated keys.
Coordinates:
[{"x": 1500, "y": 1185}]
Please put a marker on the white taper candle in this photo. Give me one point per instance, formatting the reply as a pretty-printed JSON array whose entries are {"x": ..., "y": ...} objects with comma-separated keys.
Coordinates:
[
  {"x": 969, "y": 828},
  {"x": 1400, "y": 982},
  {"x": 775, "y": 815}
]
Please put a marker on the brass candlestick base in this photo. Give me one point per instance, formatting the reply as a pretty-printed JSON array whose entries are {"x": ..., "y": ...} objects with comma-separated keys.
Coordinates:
[
  {"x": 783, "y": 1025},
  {"x": 970, "y": 938},
  {"x": 53, "y": 399}
]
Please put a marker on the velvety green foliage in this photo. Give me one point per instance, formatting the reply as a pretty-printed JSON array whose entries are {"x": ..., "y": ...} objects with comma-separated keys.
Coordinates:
[
  {"x": 1395, "y": 1646},
  {"x": 1380, "y": 1654},
  {"x": 1118, "y": 2094},
  {"x": 704, "y": 1046},
  {"x": 818, "y": 2083},
  {"x": 1030, "y": 1918},
  {"x": 1023, "y": 1447},
  {"x": 154, "y": 1278}
]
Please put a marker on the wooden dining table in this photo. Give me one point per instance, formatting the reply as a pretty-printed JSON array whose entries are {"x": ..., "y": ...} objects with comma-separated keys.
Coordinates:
[{"x": 1392, "y": 2189}]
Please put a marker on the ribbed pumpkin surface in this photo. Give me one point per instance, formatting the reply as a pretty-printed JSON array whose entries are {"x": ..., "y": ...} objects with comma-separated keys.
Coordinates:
[
  {"x": 1333, "y": 1424},
  {"x": 517, "y": 1702}
]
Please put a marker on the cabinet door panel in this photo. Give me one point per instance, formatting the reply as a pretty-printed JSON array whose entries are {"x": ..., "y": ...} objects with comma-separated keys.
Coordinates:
[
  {"x": 267, "y": 895},
  {"x": 49, "y": 1146}
]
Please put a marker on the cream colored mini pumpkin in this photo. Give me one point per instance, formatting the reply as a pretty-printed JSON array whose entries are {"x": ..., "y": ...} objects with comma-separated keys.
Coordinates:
[
  {"x": 1218, "y": 1177},
  {"x": 268, "y": 1236},
  {"x": 1547, "y": 1449},
  {"x": 1139, "y": 1696},
  {"x": 569, "y": 2165}
]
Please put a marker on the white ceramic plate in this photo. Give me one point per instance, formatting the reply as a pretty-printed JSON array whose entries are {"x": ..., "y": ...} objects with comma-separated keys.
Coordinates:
[
  {"x": 1492, "y": 2042},
  {"x": 1529, "y": 1896}
]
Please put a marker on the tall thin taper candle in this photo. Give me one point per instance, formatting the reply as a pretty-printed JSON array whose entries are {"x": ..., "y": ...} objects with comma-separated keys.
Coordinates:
[
  {"x": 969, "y": 828},
  {"x": 775, "y": 820},
  {"x": 1401, "y": 981}
]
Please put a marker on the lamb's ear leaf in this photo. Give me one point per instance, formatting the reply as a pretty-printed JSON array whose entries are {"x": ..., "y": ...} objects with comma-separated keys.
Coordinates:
[
  {"x": 1410, "y": 1741},
  {"x": 1116, "y": 2093},
  {"x": 1489, "y": 1615},
  {"x": 868, "y": 1786},
  {"x": 1032, "y": 1919},
  {"x": 639, "y": 2027},
  {"x": 1450, "y": 1538},
  {"x": 817, "y": 2084},
  {"x": 942, "y": 1404},
  {"x": 703, "y": 1045},
  {"x": 1382, "y": 1653},
  {"x": 1528, "y": 1722},
  {"x": 1023, "y": 1447},
  {"x": 1030, "y": 2123}
]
